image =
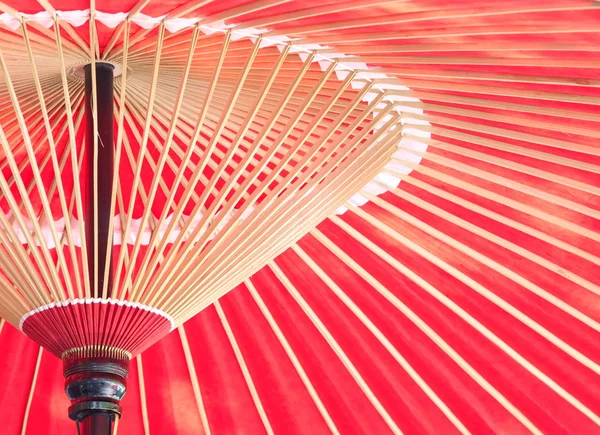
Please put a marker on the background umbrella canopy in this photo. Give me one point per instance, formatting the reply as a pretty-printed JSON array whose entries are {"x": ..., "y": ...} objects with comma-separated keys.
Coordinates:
[{"x": 464, "y": 300}]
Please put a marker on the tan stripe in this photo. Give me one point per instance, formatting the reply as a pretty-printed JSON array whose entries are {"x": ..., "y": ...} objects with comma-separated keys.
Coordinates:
[
  {"x": 194, "y": 378},
  {"x": 31, "y": 390},
  {"x": 243, "y": 366},
  {"x": 292, "y": 356}
]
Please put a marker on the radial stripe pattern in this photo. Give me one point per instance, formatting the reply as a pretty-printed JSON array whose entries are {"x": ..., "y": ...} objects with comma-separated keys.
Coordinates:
[{"x": 446, "y": 283}]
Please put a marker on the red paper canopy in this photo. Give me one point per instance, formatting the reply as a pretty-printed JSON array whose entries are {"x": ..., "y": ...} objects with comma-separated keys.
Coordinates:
[{"x": 464, "y": 300}]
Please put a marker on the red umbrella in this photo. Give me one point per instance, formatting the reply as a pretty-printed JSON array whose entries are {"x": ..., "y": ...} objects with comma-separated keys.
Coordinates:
[{"x": 454, "y": 290}]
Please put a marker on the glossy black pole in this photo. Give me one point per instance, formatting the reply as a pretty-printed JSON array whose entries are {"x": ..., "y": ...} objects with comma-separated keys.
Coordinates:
[
  {"x": 96, "y": 424},
  {"x": 104, "y": 169},
  {"x": 89, "y": 409}
]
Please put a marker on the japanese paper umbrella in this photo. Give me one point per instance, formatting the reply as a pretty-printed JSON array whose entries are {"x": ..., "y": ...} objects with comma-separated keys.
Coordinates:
[{"x": 156, "y": 156}]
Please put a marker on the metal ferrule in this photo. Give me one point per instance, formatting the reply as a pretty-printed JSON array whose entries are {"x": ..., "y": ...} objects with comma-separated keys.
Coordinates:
[{"x": 95, "y": 386}]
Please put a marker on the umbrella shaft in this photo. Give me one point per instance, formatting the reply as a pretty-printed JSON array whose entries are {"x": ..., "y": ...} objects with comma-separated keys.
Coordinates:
[
  {"x": 96, "y": 424},
  {"x": 100, "y": 167}
]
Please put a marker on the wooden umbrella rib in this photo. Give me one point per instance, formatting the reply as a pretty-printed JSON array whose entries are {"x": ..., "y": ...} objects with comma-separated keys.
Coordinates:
[
  {"x": 235, "y": 144},
  {"x": 56, "y": 168},
  {"x": 424, "y": 326},
  {"x": 255, "y": 237},
  {"x": 143, "y": 401},
  {"x": 194, "y": 380},
  {"x": 68, "y": 28},
  {"x": 401, "y": 73},
  {"x": 199, "y": 169},
  {"x": 502, "y": 219},
  {"x": 553, "y": 385},
  {"x": 244, "y": 368},
  {"x": 292, "y": 356},
  {"x": 32, "y": 387},
  {"x": 44, "y": 263},
  {"x": 258, "y": 241},
  {"x": 484, "y": 291},
  {"x": 257, "y": 170},
  {"x": 529, "y": 107},
  {"x": 511, "y": 135},
  {"x": 248, "y": 8},
  {"x": 321, "y": 205},
  {"x": 445, "y": 133},
  {"x": 54, "y": 109},
  {"x": 435, "y": 111},
  {"x": 114, "y": 37},
  {"x": 434, "y": 86},
  {"x": 338, "y": 291},
  {"x": 501, "y": 199},
  {"x": 12, "y": 279},
  {"x": 20, "y": 259},
  {"x": 501, "y": 30},
  {"x": 75, "y": 165},
  {"x": 156, "y": 138},
  {"x": 227, "y": 208},
  {"x": 164, "y": 153},
  {"x": 510, "y": 182},
  {"x": 275, "y": 244},
  {"x": 22, "y": 190},
  {"x": 313, "y": 12},
  {"x": 143, "y": 145},
  {"x": 331, "y": 341},
  {"x": 117, "y": 162}
]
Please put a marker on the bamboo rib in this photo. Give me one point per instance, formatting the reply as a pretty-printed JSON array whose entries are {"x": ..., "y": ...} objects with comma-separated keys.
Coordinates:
[
  {"x": 74, "y": 163},
  {"x": 194, "y": 379},
  {"x": 68, "y": 28},
  {"x": 552, "y": 267},
  {"x": 553, "y": 385},
  {"x": 36, "y": 371},
  {"x": 335, "y": 347},
  {"x": 504, "y": 220},
  {"x": 268, "y": 248},
  {"x": 143, "y": 145},
  {"x": 381, "y": 338},
  {"x": 143, "y": 403},
  {"x": 504, "y": 200},
  {"x": 500, "y": 30},
  {"x": 39, "y": 185},
  {"x": 292, "y": 356},
  {"x": 486, "y": 292},
  {"x": 423, "y": 326},
  {"x": 520, "y": 187},
  {"x": 177, "y": 243},
  {"x": 244, "y": 368},
  {"x": 255, "y": 195},
  {"x": 248, "y": 8},
  {"x": 118, "y": 150},
  {"x": 241, "y": 133},
  {"x": 310, "y": 13},
  {"x": 265, "y": 160},
  {"x": 56, "y": 168},
  {"x": 164, "y": 152}
]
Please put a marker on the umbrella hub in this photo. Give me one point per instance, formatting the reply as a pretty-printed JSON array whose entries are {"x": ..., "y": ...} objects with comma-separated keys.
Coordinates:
[
  {"x": 95, "y": 387},
  {"x": 76, "y": 71}
]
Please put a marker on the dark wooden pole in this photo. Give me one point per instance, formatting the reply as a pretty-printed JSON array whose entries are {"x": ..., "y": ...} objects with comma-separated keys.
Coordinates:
[{"x": 104, "y": 169}]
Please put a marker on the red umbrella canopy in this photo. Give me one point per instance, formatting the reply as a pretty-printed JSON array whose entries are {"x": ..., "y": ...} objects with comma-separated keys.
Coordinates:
[{"x": 452, "y": 286}]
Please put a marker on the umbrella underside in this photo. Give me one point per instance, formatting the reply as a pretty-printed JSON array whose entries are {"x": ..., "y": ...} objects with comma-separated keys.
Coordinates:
[{"x": 471, "y": 286}]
